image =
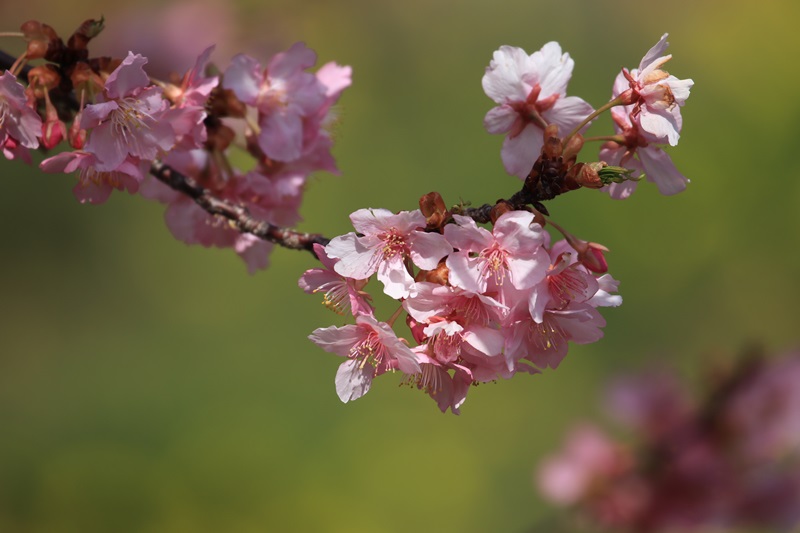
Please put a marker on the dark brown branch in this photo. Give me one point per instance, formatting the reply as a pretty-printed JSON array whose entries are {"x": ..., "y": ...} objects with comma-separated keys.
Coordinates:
[{"x": 237, "y": 214}]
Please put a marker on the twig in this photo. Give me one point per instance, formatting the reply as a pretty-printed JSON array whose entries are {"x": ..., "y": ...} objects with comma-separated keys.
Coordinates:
[{"x": 237, "y": 214}]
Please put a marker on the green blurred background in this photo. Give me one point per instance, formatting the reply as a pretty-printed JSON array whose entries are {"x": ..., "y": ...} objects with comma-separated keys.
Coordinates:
[{"x": 150, "y": 386}]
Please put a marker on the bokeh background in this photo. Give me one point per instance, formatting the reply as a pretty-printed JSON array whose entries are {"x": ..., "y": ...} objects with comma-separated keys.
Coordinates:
[{"x": 150, "y": 386}]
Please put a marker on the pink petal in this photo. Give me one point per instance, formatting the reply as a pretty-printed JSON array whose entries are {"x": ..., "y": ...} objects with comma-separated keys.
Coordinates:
[
  {"x": 660, "y": 169},
  {"x": 499, "y": 119},
  {"x": 661, "y": 124},
  {"x": 254, "y": 251},
  {"x": 337, "y": 340},
  {"x": 127, "y": 77},
  {"x": 92, "y": 193},
  {"x": 334, "y": 78},
  {"x": 397, "y": 282},
  {"x": 244, "y": 77},
  {"x": 503, "y": 79},
  {"x": 372, "y": 221},
  {"x": 353, "y": 380},
  {"x": 655, "y": 52},
  {"x": 519, "y": 153},
  {"x": 465, "y": 273},
  {"x": 281, "y": 135},
  {"x": 528, "y": 271},
  {"x": 297, "y": 58},
  {"x": 109, "y": 149},
  {"x": 427, "y": 249},
  {"x": 356, "y": 260},
  {"x": 94, "y": 114},
  {"x": 553, "y": 69},
  {"x": 568, "y": 112},
  {"x": 488, "y": 341},
  {"x": 466, "y": 235}
]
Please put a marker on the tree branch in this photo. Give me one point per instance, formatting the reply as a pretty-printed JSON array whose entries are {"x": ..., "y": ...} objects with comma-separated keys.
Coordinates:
[{"x": 237, "y": 214}]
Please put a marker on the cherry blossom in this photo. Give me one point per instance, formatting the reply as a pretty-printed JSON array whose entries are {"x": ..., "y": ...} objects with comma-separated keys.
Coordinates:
[
  {"x": 284, "y": 94},
  {"x": 95, "y": 186},
  {"x": 340, "y": 294},
  {"x": 723, "y": 459},
  {"x": 638, "y": 151},
  {"x": 127, "y": 121},
  {"x": 656, "y": 95},
  {"x": 371, "y": 349},
  {"x": 531, "y": 92},
  {"x": 20, "y": 126},
  {"x": 513, "y": 248},
  {"x": 387, "y": 240}
]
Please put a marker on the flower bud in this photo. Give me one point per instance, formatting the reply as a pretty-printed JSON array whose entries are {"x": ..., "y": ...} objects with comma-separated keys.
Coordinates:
[
  {"x": 573, "y": 147},
  {"x": 39, "y": 37},
  {"x": 432, "y": 206},
  {"x": 499, "y": 209},
  {"x": 438, "y": 275},
  {"x": 586, "y": 175},
  {"x": 590, "y": 254},
  {"x": 611, "y": 174},
  {"x": 77, "y": 135},
  {"x": 53, "y": 129},
  {"x": 552, "y": 142}
]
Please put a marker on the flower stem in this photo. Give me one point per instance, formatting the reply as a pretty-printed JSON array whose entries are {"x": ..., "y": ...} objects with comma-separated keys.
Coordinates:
[
  {"x": 619, "y": 139},
  {"x": 615, "y": 102},
  {"x": 395, "y": 316}
]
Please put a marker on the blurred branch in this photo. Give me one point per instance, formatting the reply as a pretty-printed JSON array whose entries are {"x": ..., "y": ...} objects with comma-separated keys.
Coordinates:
[{"x": 238, "y": 215}]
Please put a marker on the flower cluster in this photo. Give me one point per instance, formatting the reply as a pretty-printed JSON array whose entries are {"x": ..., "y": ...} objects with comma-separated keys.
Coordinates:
[
  {"x": 125, "y": 120},
  {"x": 480, "y": 304},
  {"x": 285, "y": 111},
  {"x": 20, "y": 125},
  {"x": 650, "y": 116},
  {"x": 530, "y": 91},
  {"x": 727, "y": 461}
]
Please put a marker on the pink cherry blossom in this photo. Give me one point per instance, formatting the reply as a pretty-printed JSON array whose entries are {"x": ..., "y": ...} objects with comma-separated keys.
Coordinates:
[
  {"x": 765, "y": 409},
  {"x": 371, "y": 349},
  {"x": 656, "y": 95},
  {"x": 448, "y": 391},
  {"x": 566, "y": 281},
  {"x": 453, "y": 303},
  {"x": 387, "y": 240},
  {"x": 127, "y": 122},
  {"x": 655, "y": 402},
  {"x": 605, "y": 297},
  {"x": 340, "y": 294},
  {"x": 95, "y": 186},
  {"x": 513, "y": 248},
  {"x": 531, "y": 92},
  {"x": 20, "y": 125},
  {"x": 639, "y": 153},
  {"x": 703, "y": 463},
  {"x": 283, "y": 93},
  {"x": 187, "y": 114},
  {"x": 545, "y": 343},
  {"x": 587, "y": 456}
]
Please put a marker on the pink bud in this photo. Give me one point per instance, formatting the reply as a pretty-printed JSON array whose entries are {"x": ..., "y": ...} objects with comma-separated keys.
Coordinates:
[
  {"x": 590, "y": 254},
  {"x": 53, "y": 129},
  {"x": 77, "y": 136}
]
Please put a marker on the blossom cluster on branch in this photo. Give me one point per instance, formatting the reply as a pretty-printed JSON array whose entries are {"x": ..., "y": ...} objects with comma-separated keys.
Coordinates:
[
  {"x": 124, "y": 121},
  {"x": 485, "y": 304},
  {"x": 726, "y": 458},
  {"x": 481, "y": 303}
]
